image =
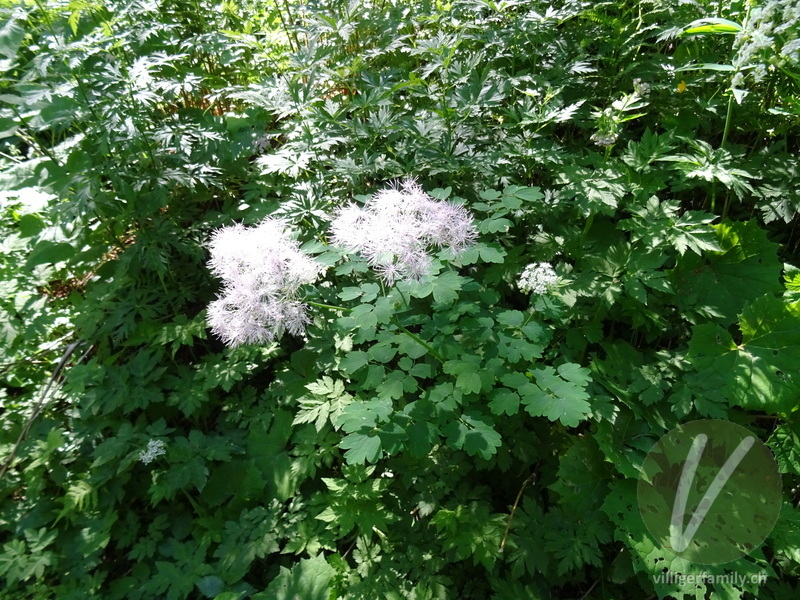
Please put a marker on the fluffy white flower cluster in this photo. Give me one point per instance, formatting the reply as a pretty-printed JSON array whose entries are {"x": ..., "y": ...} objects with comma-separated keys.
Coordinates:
[
  {"x": 262, "y": 269},
  {"x": 155, "y": 448},
  {"x": 396, "y": 228},
  {"x": 537, "y": 278}
]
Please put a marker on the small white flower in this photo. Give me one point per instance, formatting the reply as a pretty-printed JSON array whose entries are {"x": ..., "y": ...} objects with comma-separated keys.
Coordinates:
[
  {"x": 537, "y": 278},
  {"x": 396, "y": 228},
  {"x": 155, "y": 448},
  {"x": 262, "y": 269},
  {"x": 642, "y": 88},
  {"x": 604, "y": 139}
]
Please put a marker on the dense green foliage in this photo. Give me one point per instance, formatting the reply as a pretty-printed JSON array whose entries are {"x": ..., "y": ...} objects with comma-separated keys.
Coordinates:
[{"x": 450, "y": 438}]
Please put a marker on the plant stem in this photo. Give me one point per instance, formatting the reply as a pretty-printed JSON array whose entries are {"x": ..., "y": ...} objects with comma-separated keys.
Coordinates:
[
  {"x": 419, "y": 340},
  {"x": 330, "y": 306},
  {"x": 586, "y": 228},
  {"x": 525, "y": 483},
  {"x": 727, "y": 122},
  {"x": 722, "y": 146}
]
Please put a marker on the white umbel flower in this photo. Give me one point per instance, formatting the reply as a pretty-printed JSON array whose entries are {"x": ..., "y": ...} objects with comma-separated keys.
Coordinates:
[
  {"x": 396, "y": 228},
  {"x": 537, "y": 278},
  {"x": 262, "y": 269},
  {"x": 155, "y": 448}
]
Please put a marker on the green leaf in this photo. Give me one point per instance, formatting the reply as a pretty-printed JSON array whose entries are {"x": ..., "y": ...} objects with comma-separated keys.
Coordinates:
[
  {"x": 309, "y": 579},
  {"x": 364, "y": 414},
  {"x": 706, "y": 67},
  {"x": 327, "y": 404},
  {"x": 361, "y": 448},
  {"x": 31, "y": 224},
  {"x": 410, "y": 347},
  {"x": 527, "y": 194},
  {"x": 711, "y": 25},
  {"x": 491, "y": 253},
  {"x": 350, "y": 293},
  {"x": 210, "y": 586},
  {"x": 354, "y": 361},
  {"x": 467, "y": 372},
  {"x": 504, "y": 401},
  {"x": 559, "y": 396},
  {"x": 446, "y": 287},
  {"x": 785, "y": 444},
  {"x": 47, "y": 252},
  {"x": 760, "y": 373},
  {"x": 651, "y": 558},
  {"x": 11, "y": 36},
  {"x": 718, "y": 284},
  {"x": 474, "y": 433},
  {"x": 511, "y": 318},
  {"x": 364, "y": 316}
]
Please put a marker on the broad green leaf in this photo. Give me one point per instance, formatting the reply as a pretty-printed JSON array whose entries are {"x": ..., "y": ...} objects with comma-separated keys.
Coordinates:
[
  {"x": 652, "y": 557},
  {"x": 364, "y": 316},
  {"x": 467, "y": 373},
  {"x": 492, "y": 253},
  {"x": 361, "y": 414},
  {"x": 511, "y": 318},
  {"x": 47, "y": 252},
  {"x": 11, "y": 35},
  {"x": 354, "y": 361},
  {"x": 717, "y": 285},
  {"x": 446, "y": 287},
  {"x": 309, "y": 579},
  {"x": 350, "y": 293},
  {"x": 504, "y": 401},
  {"x": 361, "y": 448},
  {"x": 559, "y": 396},
  {"x": 760, "y": 373},
  {"x": 29, "y": 225},
  {"x": 475, "y": 434}
]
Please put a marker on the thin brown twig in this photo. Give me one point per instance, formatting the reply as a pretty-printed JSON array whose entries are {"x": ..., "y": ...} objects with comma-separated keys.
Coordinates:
[
  {"x": 589, "y": 591},
  {"x": 43, "y": 399},
  {"x": 525, "y": 483}
]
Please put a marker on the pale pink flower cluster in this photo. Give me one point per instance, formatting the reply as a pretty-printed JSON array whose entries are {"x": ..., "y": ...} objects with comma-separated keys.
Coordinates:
[
  {"x": 262, "y": 269},
  {"x": 395, "y": 230}
]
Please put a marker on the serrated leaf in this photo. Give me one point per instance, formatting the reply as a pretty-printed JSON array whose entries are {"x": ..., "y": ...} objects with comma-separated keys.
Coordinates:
[
  {"x": 309, "y": 579},
  {"x": 504, "y": 401},
  {"x": 559, "y": 396},
  {"x": 354, "y": 361},
  {"x": 475, "y": 434},
  {"x": 364, "y": 414},
  {"x": 446, "y": 287},
  {"x": 760, "y": 373},
  {"x": 361, "y": 448},
  {"x": 785, "y": 445},
  {"x": 718, "y": 284}
]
